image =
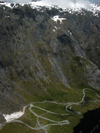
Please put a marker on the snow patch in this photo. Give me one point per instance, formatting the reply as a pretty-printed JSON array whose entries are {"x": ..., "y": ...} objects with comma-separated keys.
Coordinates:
[
  {"x": 55, "y": 27},
  {"x": 70, "y": 32},
  {"x": 56, "y": 18},
  {"x": 71, "y": 7},
  {"x": 13, "y": 116},
  {"x": 54, "y": 30},
  {"x": 6, "y": 4},
  {"x": 95, "y": 9},
  {"x": 7, "y": 16}
]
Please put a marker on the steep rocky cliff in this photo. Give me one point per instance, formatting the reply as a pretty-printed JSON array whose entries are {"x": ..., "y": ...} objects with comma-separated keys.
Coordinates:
[{"x": 45, "y": 51}]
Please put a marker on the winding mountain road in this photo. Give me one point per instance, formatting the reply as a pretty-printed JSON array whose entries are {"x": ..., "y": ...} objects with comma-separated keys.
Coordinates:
[
  {"x": 53, "y": 122},
  {"x": 70, "y": 104}
]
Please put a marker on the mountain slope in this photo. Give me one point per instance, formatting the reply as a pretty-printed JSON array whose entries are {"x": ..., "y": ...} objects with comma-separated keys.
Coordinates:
[{"x": 45, "y": 54}]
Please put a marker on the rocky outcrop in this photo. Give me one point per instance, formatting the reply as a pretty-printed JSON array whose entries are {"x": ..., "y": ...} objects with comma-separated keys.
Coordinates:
[{"x": 36, "y": 51}]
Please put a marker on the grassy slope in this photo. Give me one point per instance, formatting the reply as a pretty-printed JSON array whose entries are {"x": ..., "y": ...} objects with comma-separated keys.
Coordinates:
[
  {"x": 71, "y": 95},
  {"x": 56, "y": 91}
]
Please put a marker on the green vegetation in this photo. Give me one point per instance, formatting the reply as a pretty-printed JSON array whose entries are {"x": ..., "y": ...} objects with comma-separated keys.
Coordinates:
[
  {"x": 17, "y": 128},
  {"x": 28, "y": 118}
]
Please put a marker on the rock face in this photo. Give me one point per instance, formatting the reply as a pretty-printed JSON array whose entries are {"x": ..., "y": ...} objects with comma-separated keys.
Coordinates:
[{"x": 36, "y": 51}]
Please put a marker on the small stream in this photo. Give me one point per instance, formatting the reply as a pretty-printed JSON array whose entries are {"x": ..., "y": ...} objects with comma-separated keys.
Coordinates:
[{"x": 90, "y": 122}]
